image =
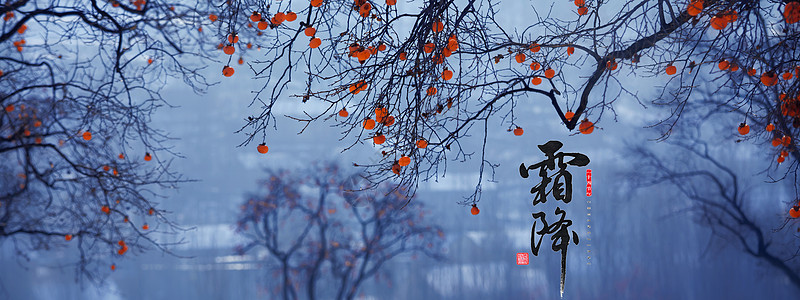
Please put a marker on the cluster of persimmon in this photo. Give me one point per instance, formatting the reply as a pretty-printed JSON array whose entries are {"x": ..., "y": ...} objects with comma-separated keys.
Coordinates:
[
  {"x": 535, "y": 66},
  {"x": 362, "y": 54},
  {"x": 107, "y": 168},
  {"x": 790, "y": 108},
  {"x": 768, "y": 78},
  {"x": 582, "y": 9},
  {"x": 21, "y": 30},
  {"x": 779, "y": 139},
  {"x": 277, "y": 19},
  {"x": 439, "y": 56},
  {"x": 312, "y": 32},
  {"x": 358, "y": 87},
  {"x": 364, "y": 7},
  {"x": 19, "y": 44},
  {"x": 107, "y": 210},
  {"x": 586, "y": 126},
  {"x": 124, "y": 248},
  {"x": 262, "y": 23},
  {"x": 26, "y": 120},
  {"x": 382, "y": 117},
  {"x": 229, "y": 49},
  {"x": 721, "y": 19},
  {"x": 139, "y": 4}
]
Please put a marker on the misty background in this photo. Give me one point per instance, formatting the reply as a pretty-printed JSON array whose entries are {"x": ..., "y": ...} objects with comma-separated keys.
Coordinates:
[
  {"x": 635, "y": 243},
  {"x": 640, "y": 244}
]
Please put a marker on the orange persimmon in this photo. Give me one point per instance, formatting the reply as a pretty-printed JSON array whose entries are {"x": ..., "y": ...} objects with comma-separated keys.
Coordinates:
[
  {"x": 447, "y": 74},
  {"x": 719, "y": 23},
  {"x": 671, "y": 70},
  {"x": 262, "y": 148},
  {"x": 404, "y": 161},
  {"x": 379, "y": 139},
  {"x": 695, "y": 7},
  {"x": 227, "y": 71},
  {"x": 369, "y": 124},
  {"x": 429, "y": 47},
  {"x": 791, "y": 12},
  {"x": 314, "y": 43},
  {"x": 549, "y": 73},
  {"x": 431, "y": 91},
  {"x": 769, "y": 78},
  {"x": 437, "y": 26},
  {"x": 520, "y": 58},
  {"x": 586, "y": 127},
  {"x": 724, "y": 64},
  {"x": 255, "y": 17},
  {"x": 744, "y": 128}
]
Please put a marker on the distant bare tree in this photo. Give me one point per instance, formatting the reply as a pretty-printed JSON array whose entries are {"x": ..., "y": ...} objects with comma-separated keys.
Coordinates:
[
  {"x": 720, "y": 201},
  {"x": 317, "y": 224}
]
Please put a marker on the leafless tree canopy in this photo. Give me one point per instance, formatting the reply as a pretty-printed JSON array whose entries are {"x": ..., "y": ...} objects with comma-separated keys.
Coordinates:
[
  {"x": 435, "y": 70},
  {"x": 720, "y": 200},
  {"x": 80, "y": 164}
]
